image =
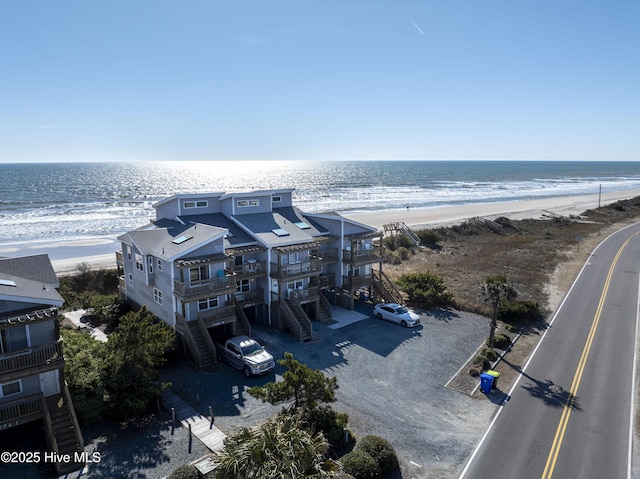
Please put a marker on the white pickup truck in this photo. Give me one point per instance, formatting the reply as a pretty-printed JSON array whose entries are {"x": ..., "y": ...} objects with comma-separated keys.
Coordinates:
[{"x": 245, "y": 354}]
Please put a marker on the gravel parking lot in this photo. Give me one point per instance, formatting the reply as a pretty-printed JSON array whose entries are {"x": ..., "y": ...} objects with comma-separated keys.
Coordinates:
[{"x": 391, "y": 383}]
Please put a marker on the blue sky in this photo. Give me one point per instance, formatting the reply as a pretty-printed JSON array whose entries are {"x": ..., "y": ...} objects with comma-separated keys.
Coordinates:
[{"x": 361, "y": 80}]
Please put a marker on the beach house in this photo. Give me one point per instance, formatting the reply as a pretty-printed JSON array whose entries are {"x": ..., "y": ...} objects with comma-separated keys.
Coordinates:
[
  {"x": 32, "y": 386},
  {"x": 211, "y": 265}
]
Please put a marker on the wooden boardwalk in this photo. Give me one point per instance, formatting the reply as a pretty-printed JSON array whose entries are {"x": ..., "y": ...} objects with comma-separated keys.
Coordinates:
[{"x": 201, "y": 426}]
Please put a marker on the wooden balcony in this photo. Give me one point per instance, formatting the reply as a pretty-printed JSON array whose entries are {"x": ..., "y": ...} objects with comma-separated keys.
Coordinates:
[
  {"x": 305, "y": 295},
  {"x": 366, "y": 256},
  {"x": 324, "y": 280},
  {"x": 212, "y": 287},
  {"x": 249, "y": 298},
  {"x": 31, "y": 361},
  {"x": 301, "y": 269},
  {"x": 218, "y": 316},
  {"x": 21, "y": 410},
  {"x": 250, "y": 269},
  {"x": 119, "y": 258},
  {"x": 327, "y": 256},
  {"x": 352, "y": 283}
]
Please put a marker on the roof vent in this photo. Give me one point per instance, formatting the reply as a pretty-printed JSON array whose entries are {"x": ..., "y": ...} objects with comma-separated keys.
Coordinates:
[{"x": 280, "y": 232}]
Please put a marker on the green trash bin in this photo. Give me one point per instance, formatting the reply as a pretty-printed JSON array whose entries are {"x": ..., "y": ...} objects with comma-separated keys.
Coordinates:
[{"x": 495, "y": 375}]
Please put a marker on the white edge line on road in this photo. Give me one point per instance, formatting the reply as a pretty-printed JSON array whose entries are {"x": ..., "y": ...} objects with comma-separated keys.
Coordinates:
[
  {"x": 524, "y": 368},
  {"x": 633, "y": 391}
]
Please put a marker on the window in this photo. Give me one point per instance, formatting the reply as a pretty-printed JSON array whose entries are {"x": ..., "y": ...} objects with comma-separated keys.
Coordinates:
[
  {"x": 150, "y": 264},
  {"x": 200, "y": 273},
  {"x": 159, "y": 265},
  {"x": 13, "y": 387},
  {"x": 128, "y": 248},
  {"x": 293, "y": 285},
  {"x": 243, "y": 285},
  {"x": 208, "y": 303},
  {"x": 157, "y": 295},
  {"x": 290, "y": 258},
  {"x": 244, "y": 203},
  {"x": 276, "y": 199},
  {"x": 139, "y": 263},
  {"x": 130, "y": 279},
  {"x": 195, "y": 204}
]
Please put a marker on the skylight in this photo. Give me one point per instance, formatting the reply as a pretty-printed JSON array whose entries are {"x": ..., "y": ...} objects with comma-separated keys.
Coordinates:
[
  {"x": 182, "y": 239},
  {"x": 7, "y": 282},
  {"x": 302, "y": 225},
  {"x": 280, "y": 232}
]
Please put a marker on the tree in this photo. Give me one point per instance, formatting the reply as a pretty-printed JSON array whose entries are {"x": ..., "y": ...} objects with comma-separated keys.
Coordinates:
[
  {"x": 308, "y": 391},
  {"x": 496, "y": 290},
  {"x": 280, "y": 448},
  {"x": 84, "y": 372},
  {"x": 307, "y": 388},
  {"x": 118, "y": 378},
  {"x": 134, "y": 354}
]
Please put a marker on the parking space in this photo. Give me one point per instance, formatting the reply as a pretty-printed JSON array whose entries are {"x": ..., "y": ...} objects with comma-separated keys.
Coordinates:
[{"x": 391, "y": 383}]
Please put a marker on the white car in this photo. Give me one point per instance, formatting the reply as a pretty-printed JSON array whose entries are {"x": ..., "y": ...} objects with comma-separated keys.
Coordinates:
[{"x": 396, "y": 313}]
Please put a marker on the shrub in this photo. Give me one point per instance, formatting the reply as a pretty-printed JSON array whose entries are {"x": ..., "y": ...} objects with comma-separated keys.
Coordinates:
[
  {"x": 426, "y": 287},
  {"x": 332, "y": 424},
  {"x": 475, "y": 371},
  {"x": 381, "y": 450},
  {"x": 490, "y": 354},
  {"x": 392, "y": 257},
  {"x": 403, "y": 241},
  {"x": 185, "y": 471},
  {"x": 392, "y": 243},
  {"x": 485, "y": 357},
  {"x": 429, "y": 238},
  {"x": 501, "y": 341},
  {"x": 403, "y": 253},
  {"x": 360, "y": 465},
  {"x": 516, "y": 311},
  {"x": 389, "y": 243}
]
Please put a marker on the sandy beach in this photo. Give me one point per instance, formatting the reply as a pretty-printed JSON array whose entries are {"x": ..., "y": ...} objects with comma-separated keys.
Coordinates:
[
  {"x": 534, "y": 209},
  {"x": 66, "y": 255}
]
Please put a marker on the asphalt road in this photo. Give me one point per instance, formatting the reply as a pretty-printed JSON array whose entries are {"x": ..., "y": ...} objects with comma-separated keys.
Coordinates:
[{"x": 569, "y": 414}]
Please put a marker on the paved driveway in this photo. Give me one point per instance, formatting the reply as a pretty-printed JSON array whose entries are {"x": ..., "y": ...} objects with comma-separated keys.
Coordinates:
[{"x": 391, "y": 383}]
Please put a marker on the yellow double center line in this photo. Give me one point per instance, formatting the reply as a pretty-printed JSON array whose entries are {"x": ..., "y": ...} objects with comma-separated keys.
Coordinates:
[{"x": 566, "y": 412}]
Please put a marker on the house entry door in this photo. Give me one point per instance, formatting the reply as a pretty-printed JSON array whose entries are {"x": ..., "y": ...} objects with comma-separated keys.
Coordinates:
[{"x": 49, "y": 383}]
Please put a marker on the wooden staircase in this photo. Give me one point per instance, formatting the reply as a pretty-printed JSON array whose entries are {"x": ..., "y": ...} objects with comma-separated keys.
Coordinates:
[
  {"x": 402, "y": 228},
  {"x": 63, "y": 432},
  {"x": 242, "y": 326},
  {"x": 205, "y": 359},
  {"x": 300, "y": 325},
  {"x": 325, "y": 311},
  {"x": 385, "y": 288}
]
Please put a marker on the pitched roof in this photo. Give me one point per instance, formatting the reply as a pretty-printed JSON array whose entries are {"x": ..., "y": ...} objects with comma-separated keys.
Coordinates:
[
  {"x": 273, "y": 229},
  {"x": 234, "y": 238},
  {"x": 29, "y": 279},
  {"x": 173, "y": 239}
]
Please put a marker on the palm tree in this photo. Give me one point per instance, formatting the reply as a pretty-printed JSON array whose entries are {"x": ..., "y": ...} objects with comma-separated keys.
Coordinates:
[
  {"x": 496, "y": 290},
  {"x": 280, "y": 448}
]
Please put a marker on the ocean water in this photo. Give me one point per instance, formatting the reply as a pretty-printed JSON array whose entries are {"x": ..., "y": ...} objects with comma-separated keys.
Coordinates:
[{"x": 40, "y": 202}]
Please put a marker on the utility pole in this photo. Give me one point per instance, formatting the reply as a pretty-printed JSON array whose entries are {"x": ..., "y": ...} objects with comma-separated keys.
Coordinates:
[{"x": 600, "y": 195}]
